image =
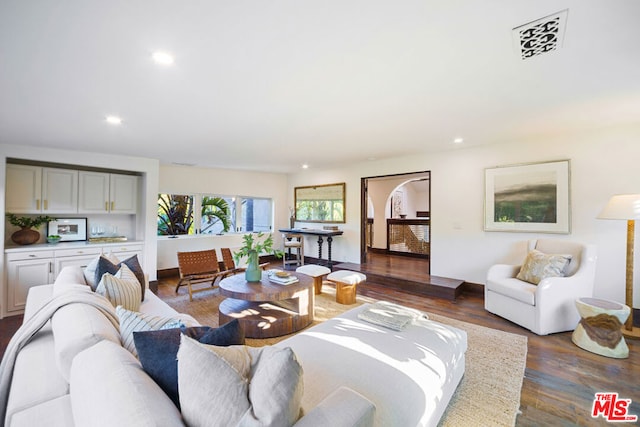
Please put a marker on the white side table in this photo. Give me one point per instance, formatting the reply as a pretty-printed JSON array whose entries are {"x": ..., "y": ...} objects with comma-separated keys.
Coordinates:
[{"x": 600, "y": 329}]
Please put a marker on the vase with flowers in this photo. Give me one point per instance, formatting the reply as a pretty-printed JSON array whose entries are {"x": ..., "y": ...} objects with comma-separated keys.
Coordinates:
[
  {"x": 27, "y": 235},
  {"x": 251, "y": 249}
]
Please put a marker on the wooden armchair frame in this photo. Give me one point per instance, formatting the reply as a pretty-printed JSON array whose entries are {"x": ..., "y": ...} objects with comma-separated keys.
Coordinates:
[{"x": 198, "y": 267}]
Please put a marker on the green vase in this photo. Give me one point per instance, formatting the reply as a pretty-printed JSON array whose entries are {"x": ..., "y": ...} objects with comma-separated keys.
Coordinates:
[{"x": 253, "y": 272}]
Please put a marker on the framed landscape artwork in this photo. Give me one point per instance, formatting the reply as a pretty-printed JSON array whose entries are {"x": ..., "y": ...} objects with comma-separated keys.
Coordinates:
[{"x": 528, "y": 198}]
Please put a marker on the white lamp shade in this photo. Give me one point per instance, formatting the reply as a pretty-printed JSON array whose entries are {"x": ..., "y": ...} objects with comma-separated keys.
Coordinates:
[{"x": 622, "y": 206}]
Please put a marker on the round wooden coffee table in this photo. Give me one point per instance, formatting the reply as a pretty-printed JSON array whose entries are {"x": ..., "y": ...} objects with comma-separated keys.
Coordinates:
[{"x": 266, "y": 309}]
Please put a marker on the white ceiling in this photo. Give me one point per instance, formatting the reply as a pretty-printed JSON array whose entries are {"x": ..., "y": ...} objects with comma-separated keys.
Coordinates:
[{"x": 269, "y": 85}]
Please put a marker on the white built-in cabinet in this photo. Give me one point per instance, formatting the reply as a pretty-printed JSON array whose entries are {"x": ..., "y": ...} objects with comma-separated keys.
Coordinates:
[
  {"x": 41, "y": 190},
  {"x": 45, "y": 190},
  {"x": 107, "y": 193},
  {"x": 41, "y": 266}
]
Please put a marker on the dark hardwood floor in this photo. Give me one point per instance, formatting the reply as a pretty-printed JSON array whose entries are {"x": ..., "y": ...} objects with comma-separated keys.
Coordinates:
[{"x": 560, "y": 378}]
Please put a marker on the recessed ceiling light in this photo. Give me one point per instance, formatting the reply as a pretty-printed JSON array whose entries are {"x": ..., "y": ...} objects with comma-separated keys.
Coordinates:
[
  {"x": 162, "y": 58},
  {"x": 458, "y": 141},
  {"x": 114, "y": 120},
  {"x": 305, "y": 166}
]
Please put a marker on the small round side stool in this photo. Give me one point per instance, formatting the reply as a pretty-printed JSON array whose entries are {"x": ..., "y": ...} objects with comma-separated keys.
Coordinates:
[
  {"x": 346, "y": 282},
  {"x": 317, "y": 272},
  {"x": 600, "y": 327}
]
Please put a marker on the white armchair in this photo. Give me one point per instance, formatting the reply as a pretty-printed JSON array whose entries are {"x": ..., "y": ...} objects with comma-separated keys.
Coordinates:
[{"x": 548, "y": 307}]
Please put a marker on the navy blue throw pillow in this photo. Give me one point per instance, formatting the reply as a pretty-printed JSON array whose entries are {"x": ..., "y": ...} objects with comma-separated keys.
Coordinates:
[{"x": 157, "y": 350}]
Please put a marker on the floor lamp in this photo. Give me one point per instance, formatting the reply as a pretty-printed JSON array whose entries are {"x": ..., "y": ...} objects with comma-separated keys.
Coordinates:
[{"x": 626, "y": 206}]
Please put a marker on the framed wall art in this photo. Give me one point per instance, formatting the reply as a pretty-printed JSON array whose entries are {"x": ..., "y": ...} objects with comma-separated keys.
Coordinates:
[
  {"x": 532, "y": 197},
  {"x": 69, "y": 229}
]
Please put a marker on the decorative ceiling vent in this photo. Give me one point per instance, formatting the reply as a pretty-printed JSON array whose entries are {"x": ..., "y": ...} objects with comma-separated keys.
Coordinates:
[{"x": 540, "y": 36}]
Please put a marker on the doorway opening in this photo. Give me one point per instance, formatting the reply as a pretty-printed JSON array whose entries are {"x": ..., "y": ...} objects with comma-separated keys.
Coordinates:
[{"x": 395, "y": 221}]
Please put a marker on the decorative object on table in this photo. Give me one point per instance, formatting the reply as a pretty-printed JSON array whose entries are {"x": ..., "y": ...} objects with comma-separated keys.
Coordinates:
[
  {"x": 626, "y": 206},
  {"x": 599, "y": 330},
  {"x": 283, "y": 278},
  {"x": 69, "y": 229},
  {"x": 53, "y": 238},
  {"x": 252, "y": 248},
  {"x": 27, "y": 235},
  {"x": 292, "y": 217},
  {"x": 528, "y": 198}
]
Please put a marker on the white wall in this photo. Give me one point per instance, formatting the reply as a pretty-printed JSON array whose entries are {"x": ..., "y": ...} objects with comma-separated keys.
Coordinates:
[
  {"x": 225, "y": 182},
  {"x": 145, "y": 226},
  {"x": 603, "y": 163}
]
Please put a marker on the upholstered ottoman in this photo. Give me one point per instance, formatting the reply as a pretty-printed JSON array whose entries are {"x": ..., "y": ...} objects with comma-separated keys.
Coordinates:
[
  {"x": 318, "y": 273},
  {"x": 346, "y": 282}
]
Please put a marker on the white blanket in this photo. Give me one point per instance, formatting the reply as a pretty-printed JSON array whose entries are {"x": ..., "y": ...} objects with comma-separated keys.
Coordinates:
[
  {"x": 32, "y": 325},
  {"x": 389, "y": 315}
]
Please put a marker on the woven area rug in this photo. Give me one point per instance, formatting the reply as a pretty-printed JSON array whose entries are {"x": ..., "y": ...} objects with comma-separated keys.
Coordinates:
[{"x": 489, "y": 393}]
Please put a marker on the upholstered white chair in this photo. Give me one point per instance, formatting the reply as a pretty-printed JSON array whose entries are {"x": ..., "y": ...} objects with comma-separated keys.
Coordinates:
[{"x": 549, "y": 306}]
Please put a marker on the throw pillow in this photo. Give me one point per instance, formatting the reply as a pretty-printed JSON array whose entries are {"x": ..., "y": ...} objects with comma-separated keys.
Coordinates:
[
  {"x": 213, "y": 384},
  {"x": 276, "y": 387},
  {"x": 90, "y": 270},
  {"x": 538, "y": 266},
  {"x": 122, "y": 289},
  {"x": 272, "y": 397},
  {"x": 133, "y": 321},
  {"x": 106, "y": 265},
  {"x": 157, "y": 350}
]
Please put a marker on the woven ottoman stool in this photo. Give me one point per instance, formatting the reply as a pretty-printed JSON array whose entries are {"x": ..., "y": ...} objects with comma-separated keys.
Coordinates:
[
  {"x": 317, "y": 272},
  {"x": 346, "y": 282}
]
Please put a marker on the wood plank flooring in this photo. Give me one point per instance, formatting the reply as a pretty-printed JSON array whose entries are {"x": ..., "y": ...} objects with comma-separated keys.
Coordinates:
[{"x": 560, "y": 379}]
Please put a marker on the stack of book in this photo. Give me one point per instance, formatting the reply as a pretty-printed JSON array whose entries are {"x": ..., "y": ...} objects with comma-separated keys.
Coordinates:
[{"x": 288, "y": 280}]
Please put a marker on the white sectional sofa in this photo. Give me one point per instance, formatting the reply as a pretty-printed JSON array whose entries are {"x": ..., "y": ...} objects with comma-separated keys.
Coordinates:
[{"x": 74, "y": 371}]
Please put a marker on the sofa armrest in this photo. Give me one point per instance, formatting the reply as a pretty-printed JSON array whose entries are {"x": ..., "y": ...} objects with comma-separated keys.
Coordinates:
[{"x": 342, "y": 408}]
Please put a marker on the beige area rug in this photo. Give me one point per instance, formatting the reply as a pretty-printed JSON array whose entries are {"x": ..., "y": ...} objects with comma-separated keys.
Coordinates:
[{"x": 489, "y": 393}]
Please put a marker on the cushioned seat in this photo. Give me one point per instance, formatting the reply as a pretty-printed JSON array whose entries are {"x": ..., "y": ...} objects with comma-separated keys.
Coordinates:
[
  {"x": 346, "y": 282},
  {"x": 291, "y": 242},
  {"x": 317, "y": 272}
]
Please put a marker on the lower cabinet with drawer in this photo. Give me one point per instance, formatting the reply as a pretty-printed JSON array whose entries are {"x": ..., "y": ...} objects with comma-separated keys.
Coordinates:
[
  {"x": 41, "y": 266},
  {"x": 24, "y": 270}
]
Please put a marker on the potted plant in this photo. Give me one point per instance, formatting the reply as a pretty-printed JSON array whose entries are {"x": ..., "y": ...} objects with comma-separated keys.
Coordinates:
[
  {"x": 26, "y": 235},
  {"x": 252, "y": 248}
]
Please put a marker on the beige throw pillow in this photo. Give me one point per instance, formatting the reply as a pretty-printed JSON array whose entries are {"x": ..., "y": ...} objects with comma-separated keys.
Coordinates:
[
  {"x": 538, "y": 266},
  {"x": 122, "y": 289}
]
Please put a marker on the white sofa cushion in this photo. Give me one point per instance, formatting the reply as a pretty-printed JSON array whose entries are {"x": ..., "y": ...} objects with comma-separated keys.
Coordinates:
[
  {"x": 514, "y": 288},
  {"x": 52, "y": 413},
  {"x": 35, "y": 376},
  {"x": 110, "y": 388},
  {"x": 77, "y": 327}
]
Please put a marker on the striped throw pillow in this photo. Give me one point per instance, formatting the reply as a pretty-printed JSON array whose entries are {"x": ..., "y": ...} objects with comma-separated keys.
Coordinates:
[
  {"x": 133, "y": 321},
  {"x": 122, "y": 288}
]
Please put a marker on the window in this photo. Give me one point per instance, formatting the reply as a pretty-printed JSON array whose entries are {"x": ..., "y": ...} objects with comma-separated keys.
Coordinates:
[
  {"x": 215, "y": 214},
  {"x": 175, "y": 214}
]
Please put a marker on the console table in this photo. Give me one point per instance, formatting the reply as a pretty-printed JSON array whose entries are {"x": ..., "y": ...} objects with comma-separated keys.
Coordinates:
[
  {"x": 320, "y": 233},
  {"x": 266, "y": 309}
]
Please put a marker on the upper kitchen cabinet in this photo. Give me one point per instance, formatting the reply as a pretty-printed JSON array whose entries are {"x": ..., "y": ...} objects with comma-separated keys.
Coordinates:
[
  {"x": 35, "y": 189},
  {"x": 101, "y": 192}
]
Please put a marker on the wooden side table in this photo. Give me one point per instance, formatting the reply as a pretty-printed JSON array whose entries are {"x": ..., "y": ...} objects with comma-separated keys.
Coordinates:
[{"x": 600, "y": 327}]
